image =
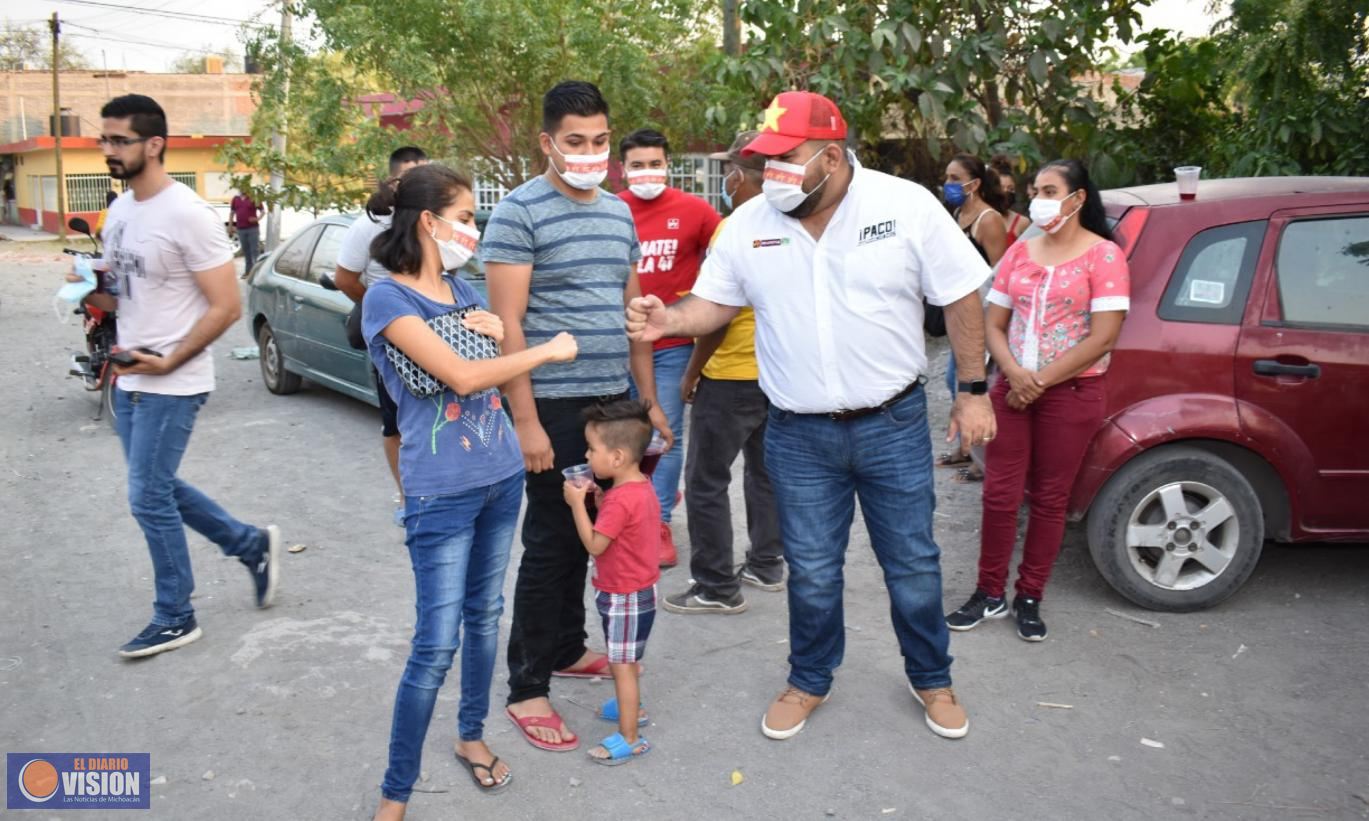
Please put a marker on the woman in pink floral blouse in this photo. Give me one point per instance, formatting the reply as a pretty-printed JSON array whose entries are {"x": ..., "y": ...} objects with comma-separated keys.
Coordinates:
[{"x": 1055, "y": 311}]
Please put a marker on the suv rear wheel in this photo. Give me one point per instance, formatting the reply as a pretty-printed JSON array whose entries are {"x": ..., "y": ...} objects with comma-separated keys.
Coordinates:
[{"x": 1176, "y": 529}]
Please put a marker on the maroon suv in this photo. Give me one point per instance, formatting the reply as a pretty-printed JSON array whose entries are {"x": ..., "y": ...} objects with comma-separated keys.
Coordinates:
[{"x": 1238, "y": 396}]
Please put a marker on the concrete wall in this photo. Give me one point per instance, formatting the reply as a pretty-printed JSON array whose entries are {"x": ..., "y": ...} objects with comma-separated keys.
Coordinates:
[{"x": 219, "y": 104}]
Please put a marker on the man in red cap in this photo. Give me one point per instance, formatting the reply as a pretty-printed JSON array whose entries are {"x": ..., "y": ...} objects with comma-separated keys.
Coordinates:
[{"x": 836, "y": 260}]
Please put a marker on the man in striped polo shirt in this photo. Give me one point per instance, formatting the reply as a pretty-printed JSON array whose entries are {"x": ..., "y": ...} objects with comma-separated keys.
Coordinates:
[{"x": 559, "y": 255}]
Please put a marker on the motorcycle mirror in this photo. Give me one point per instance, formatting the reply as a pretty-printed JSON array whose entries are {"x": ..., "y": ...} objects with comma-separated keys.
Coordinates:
[{"x": 79, "y": 225}]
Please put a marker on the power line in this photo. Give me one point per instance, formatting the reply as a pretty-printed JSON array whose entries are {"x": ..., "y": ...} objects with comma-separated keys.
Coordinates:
[
  {"x": 174, "y": 15},
  {"x": 109, "y": 39}
]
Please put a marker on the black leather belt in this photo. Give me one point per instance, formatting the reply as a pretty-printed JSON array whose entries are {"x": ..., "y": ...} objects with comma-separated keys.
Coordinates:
[{"x": 848, "y": 415}]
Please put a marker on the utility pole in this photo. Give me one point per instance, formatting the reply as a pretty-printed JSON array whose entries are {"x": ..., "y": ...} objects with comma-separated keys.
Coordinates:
[
  {"x": 273, "y": 217},
  {"x": 56, "y": 26}
]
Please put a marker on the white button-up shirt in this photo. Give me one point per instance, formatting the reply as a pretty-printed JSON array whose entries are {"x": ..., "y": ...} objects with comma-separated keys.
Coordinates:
[{"x": 839, "y": 319}]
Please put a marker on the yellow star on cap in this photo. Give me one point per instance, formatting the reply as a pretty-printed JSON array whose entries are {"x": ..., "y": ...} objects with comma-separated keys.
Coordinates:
[{"x": 773, "y": 115}]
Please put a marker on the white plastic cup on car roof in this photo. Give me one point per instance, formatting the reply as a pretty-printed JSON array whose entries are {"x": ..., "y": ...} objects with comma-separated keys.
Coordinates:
[{"x": 1187, "y": 178}]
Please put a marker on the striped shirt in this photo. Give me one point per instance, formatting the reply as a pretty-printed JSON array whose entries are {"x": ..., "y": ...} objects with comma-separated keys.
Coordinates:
[{"x": 581, "y": 254}]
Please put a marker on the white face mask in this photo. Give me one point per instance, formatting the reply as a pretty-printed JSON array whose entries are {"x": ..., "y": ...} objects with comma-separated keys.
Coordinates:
[
  {"x": 583, "y": 171},
  {"x": 647, "y": 183},
  {"x": 783, "y": 184},
  {"x": 459, "y": 248},
  {"x": 1046, "y": 213}
]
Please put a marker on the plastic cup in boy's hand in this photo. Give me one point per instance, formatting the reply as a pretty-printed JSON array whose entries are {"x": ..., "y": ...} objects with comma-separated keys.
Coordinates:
[
  {"x": 652, "y": 455},
  {"x": 579, "y": 475}
]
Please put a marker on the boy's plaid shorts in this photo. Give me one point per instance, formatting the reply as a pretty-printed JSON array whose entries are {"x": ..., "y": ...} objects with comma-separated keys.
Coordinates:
[{"x": 627, "y": 621}]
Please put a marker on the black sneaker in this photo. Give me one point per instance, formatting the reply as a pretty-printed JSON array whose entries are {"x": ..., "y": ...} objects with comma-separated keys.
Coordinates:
[
  {"x": 756, "y": 580},
  {"x": 1027, "y": 611},
  {"x": 265, "y": 569},
  {"x": 157, "y": 638},
  {"x": 981, "y": 606},
  {"x": 695, "y": 600}
]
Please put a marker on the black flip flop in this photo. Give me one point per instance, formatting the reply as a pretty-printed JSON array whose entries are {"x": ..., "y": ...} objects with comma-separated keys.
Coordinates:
[{"x": 471, "y": 767}]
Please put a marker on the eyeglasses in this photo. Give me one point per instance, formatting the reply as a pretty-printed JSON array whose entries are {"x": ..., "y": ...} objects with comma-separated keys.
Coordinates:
[{"x": 120, "y": 142}]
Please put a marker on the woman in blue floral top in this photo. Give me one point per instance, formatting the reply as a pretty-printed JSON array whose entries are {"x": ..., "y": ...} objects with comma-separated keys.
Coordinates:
[{"x": 460, "y": 463}]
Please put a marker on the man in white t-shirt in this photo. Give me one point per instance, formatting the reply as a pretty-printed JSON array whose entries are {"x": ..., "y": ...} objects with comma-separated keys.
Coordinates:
[
  {"x": 175, "y": 292},
  {"x": 836, "y": 260},
  {"x": 357, "y": 271}
]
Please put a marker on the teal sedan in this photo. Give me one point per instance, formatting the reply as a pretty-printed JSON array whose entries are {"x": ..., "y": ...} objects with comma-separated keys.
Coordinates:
[{"x": 300, "y": 325}]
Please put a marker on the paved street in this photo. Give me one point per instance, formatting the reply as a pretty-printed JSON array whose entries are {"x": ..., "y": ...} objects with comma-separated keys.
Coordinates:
[{"x": 284, "y": 713}]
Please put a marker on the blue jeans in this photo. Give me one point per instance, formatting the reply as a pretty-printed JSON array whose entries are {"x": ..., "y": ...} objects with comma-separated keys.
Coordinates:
[
  {"x": 251, "y": 241},
  {"x": 818, "y": 466},
  {"x": 670, "y": 365},
  {"x": 154, "y": 430},
  {"x": 459, "y": 546}
]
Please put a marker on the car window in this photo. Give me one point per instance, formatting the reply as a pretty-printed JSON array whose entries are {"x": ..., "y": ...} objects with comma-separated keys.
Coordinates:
[
  {"x": 1323, "y": 270},
  {"x": 324, "y": 260},
  {"x": 1212, "y": 280},
  {"x": 293, "y": 261}
]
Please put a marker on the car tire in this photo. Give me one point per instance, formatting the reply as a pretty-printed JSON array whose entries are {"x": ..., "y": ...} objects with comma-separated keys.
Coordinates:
[
  {"x": 1176, "y": 529},
  {"x": 273, "y": 373}
]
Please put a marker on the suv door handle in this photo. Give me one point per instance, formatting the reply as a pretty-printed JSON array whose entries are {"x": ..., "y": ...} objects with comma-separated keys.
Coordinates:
[{"x": 1270, "y": 367}]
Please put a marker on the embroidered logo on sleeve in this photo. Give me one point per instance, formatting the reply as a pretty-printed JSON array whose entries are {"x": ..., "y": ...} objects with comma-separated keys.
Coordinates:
[{"x": 878, "y": 231}]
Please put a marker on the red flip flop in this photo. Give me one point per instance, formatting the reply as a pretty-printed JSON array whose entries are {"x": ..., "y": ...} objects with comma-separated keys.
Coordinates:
[
  {"x": 551, "y": 722},
  {"x": 595, "y": 669}
]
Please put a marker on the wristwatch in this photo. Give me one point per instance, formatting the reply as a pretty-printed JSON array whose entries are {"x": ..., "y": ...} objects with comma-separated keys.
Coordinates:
[{"x": 979, "y": 387}]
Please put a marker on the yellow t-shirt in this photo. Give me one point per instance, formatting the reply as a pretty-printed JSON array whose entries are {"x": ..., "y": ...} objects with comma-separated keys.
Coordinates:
[{"x": 735, "y": 359}]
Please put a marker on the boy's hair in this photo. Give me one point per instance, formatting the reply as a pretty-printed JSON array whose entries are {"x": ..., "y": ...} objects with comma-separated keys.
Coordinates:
[
  {"x": 571, "y": 97},
  {"x": 405, "y": 155},
  {"x": 145, "y": 117},
  {"x": 643, "y": 138},
  {"x": 623, "y": 424}
]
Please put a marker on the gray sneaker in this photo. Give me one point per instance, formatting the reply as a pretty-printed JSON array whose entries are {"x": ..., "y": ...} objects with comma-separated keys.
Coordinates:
[
  {"x": 751, "y": 577},
  {"x": 695, "y": 600}
]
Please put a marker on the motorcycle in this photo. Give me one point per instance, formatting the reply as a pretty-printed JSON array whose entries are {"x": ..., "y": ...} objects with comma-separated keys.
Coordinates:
[{"x": 94, "y": 367}]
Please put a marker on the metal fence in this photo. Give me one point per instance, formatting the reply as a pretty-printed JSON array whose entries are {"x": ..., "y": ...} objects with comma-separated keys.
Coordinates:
[
  {"x": 187, "y": 177},
  {"x": 692, "y": 173},
  {"x": 86, "y": 192}
]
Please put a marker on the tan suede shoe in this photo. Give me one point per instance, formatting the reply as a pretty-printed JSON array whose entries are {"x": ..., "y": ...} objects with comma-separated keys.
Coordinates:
[
  {"x": 789, "y": 712},
  {"x": 945, "y": 715}
]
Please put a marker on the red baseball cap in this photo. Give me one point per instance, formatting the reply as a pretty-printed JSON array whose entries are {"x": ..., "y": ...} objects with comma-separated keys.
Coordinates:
[{"x": 793, "y": 118}]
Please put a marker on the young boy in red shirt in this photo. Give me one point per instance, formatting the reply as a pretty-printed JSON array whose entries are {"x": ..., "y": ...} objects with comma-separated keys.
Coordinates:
[{"x": 625, "y": 541}]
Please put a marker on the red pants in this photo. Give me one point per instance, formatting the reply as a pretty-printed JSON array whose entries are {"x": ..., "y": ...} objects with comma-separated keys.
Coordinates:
[{"x": 1039, "y": 448}]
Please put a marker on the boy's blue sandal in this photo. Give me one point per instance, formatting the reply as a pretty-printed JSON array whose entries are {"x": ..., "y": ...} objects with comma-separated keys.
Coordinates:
[
  {"x": 609, "y": 712},
  {"x": 620, "y": 752}
]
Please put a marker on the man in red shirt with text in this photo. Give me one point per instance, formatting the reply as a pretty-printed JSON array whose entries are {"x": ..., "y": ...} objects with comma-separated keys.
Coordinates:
[{"x": 674, "y": 229}]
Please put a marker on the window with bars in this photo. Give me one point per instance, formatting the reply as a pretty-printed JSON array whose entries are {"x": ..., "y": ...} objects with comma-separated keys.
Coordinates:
[
  {"x": 86, "y": 192},
  {"x": 187, "y": 177},
  {"x": 698, "y": 175}
]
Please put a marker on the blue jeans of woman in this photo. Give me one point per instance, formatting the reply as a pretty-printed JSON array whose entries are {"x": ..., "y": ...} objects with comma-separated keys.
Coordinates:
[
  {"x": 459, "y": 546},
  {"x": 818, "y": 466}
]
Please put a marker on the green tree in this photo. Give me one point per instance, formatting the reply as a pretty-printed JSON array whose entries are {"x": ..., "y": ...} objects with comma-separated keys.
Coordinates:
[
  {"x": 1282, "y": 87},
  {"x": 985, "y": 75},
  {"x": 334, "y": 150},
  {"x": 480, "y": 67},
  {"x": 1300, "y": 82},
  {"x": 30, "y": 47}
]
